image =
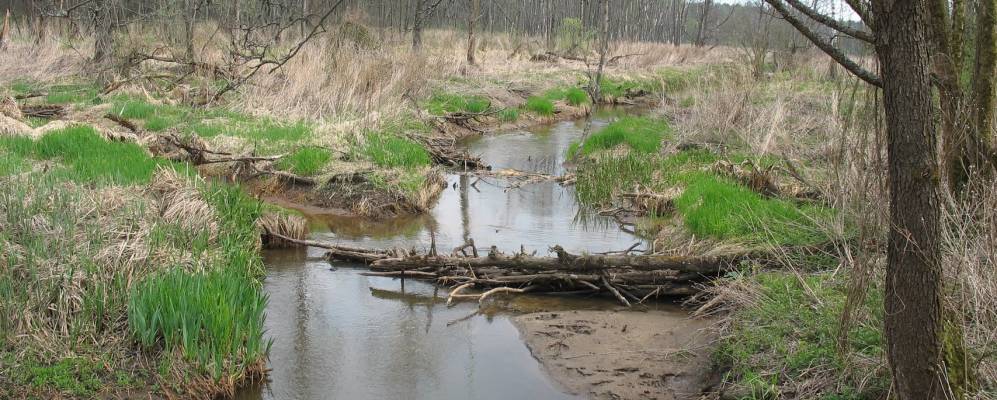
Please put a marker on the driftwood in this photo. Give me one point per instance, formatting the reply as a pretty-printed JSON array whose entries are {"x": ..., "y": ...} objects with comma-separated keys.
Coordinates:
[
  {"x": 564, "y": 261},
  {"x": 519, "y": 178},
  {"x": 630, "y": 278},
  {"x": 44, "y": 111},
  {"x": 123, "y": 122},
  {"x": 445, "y": 152}
]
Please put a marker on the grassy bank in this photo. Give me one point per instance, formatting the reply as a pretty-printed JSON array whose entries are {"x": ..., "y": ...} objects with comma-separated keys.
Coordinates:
[
  {"x": 625, "y": 157},
  {"x": 122, "y": 272}
]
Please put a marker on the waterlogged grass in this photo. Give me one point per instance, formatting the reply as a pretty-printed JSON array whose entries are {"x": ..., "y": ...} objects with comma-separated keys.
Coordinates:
[
  {"x": 788, "y": 333},
  {"x": 709, "y": 205},
  {"x": 599, "y": 180},
  {"x": 88, "y": 157},
  {"x": 305, "y": 161},
  {"x": 539, "y": 105},
  {"x": 214, "y": 318},
  {"x": 444, "y": 103},
  {"x": 391, "y": 151},
  {"x": 640, "y": 134}
]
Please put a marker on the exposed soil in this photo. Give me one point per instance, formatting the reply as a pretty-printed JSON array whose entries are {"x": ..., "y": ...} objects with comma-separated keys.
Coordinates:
[{"x": 622, "y": 354}]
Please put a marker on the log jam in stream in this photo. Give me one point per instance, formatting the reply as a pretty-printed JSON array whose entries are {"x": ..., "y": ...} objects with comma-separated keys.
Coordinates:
[{"x": 351, "y": 328}]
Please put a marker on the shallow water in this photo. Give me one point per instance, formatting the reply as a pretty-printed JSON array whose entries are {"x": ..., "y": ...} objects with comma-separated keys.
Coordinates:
[{"x": 341, "y": 335}]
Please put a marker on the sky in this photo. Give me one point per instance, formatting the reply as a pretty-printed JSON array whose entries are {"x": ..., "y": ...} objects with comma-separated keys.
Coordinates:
[{"x": 840, "y": 8}]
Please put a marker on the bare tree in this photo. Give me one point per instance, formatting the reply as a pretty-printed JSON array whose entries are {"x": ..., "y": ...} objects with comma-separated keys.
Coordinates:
[
  {"x": 5, "y": 31},
  {"x": 103, "y": 21},
  {"x": 704, "y": 17},
  {"x": 595, "y": 83},
  {"x": 472, "y": 18},
  {"x": 423, "y": 10}
]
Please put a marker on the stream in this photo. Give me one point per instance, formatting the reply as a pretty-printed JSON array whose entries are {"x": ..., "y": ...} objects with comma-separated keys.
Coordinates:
[{"x": 338, "y": 334}]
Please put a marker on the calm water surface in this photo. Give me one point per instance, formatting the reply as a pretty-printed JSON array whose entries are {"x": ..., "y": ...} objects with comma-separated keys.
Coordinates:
[{"x": 341, "y": 335}]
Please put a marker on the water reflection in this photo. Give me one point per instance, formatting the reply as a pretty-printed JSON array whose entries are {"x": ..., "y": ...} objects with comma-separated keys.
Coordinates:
[{"x": 342, "y": 335}]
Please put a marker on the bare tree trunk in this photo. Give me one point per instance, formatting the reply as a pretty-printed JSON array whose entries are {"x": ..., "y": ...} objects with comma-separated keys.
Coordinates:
[
  {"x": 596, "y": 85},
  {"x": 472, "y": 19},
  {"x": 551, "y": 35},
  {"x": 417, "y": 25},
  {"x": 104, "y": 31},
  {"x": 704, "y": 19},
  {"x": 5, "y": 31},
  {"x": 190, "y": 15},
  {"x": 913, "y": 326}
]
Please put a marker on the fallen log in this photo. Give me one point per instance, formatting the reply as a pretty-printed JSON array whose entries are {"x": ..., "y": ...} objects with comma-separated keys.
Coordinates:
[
  {"x": 631, "y": 279},
  {"x": 337, "y": 252},
  {"x": 566, "y": 262}
]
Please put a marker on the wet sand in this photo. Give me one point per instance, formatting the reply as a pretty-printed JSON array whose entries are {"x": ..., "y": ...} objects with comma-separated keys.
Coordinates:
[{"x": 656, "y": 354}]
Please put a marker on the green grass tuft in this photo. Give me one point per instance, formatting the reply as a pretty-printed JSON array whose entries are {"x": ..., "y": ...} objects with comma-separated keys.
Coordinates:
[
  {"x": 305, "y": 161},
  {"x": 509, "y": 115},
  {"x": 576, "y": 96},
  {"x": 719, "y": 208},
  {"x": 540, "y": 106},
  {"x": 641, "y": 134},
  {"x": 390, "y": 151},
  {"x": 445, "y": 103},
  {"x": 214, "y": 318},
  {"x": 88, "y": 157},
  {"x": 68, "y": 94}
]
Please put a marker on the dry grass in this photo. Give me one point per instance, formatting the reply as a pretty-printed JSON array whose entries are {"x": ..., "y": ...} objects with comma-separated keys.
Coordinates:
[
  {"x": 49, "y": 60},
  {"x": 969, "y": 245},
  {"x": 291, "y": 226}
]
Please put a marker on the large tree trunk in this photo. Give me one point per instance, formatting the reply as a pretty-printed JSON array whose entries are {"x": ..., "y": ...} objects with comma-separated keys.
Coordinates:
[
  {"x": 913, "y": 278},
  {"x": 472, "y": 19},
  {"x": 984, "y": 71}
]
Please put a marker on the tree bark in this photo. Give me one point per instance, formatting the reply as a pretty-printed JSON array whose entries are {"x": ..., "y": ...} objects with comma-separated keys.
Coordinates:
[
  {"x": 913, "y": 278},
  {"x": 984, "y": 71},
  {"x": 472, "y": 19}
]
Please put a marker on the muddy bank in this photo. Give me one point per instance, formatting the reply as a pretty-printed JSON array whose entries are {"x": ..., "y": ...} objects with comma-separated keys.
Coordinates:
[{"x": 659, "y": 354}]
